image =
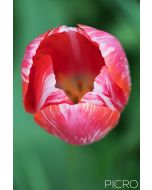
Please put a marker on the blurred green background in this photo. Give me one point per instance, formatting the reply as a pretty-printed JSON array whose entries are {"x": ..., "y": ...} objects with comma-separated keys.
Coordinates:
[{"x": 43, "y": 162}]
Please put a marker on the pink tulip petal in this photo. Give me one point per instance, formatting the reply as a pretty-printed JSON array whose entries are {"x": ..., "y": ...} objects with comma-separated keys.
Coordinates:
[
  {"x": 106, "y": 92},
  {"x": 79, "y": 123},
  {"x": 28, "y": 61},
  {"x": 41, "y": 89},
  {"x": 114, "y": 56}
]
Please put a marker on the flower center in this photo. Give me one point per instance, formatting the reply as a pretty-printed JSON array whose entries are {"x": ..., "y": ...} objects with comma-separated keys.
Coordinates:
[{"x": 76, "y": 62}]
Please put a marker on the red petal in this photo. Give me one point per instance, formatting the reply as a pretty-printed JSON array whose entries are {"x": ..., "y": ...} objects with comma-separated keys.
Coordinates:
[
  {"x": 106, "y": 92},
  {"x": 114, "y": 56},
  {"x": 78, "y": 55},
  {"x": 79, "y": 123},
  {"x": 41, "y": 89}
]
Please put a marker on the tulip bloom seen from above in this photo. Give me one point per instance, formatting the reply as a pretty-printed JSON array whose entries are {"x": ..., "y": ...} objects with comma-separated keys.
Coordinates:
[{"x": 75, "y": 82}]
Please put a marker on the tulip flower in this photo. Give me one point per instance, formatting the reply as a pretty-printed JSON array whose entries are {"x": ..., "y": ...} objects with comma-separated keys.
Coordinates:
[{"x": 76, "y": 82}]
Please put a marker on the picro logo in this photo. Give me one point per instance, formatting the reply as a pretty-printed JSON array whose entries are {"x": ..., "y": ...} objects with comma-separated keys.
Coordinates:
[{"x": 121, "y": 184}]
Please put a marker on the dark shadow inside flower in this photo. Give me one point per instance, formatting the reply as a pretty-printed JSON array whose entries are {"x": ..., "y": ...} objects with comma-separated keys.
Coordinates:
[{"x": 76, "y": 62}]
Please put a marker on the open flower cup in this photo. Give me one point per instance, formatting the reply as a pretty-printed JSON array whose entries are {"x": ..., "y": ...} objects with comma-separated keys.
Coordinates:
[{"x": 76, "y": 82}]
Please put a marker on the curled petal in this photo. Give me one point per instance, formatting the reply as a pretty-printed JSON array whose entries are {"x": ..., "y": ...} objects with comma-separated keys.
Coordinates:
[
  {"x": 114, "y": 56},
  {"x": 106, "y": 92},
  {"x": 28, "y": 61},
  {"x": 41, "y": 89},
  {"x": 77, "y": 124}
]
